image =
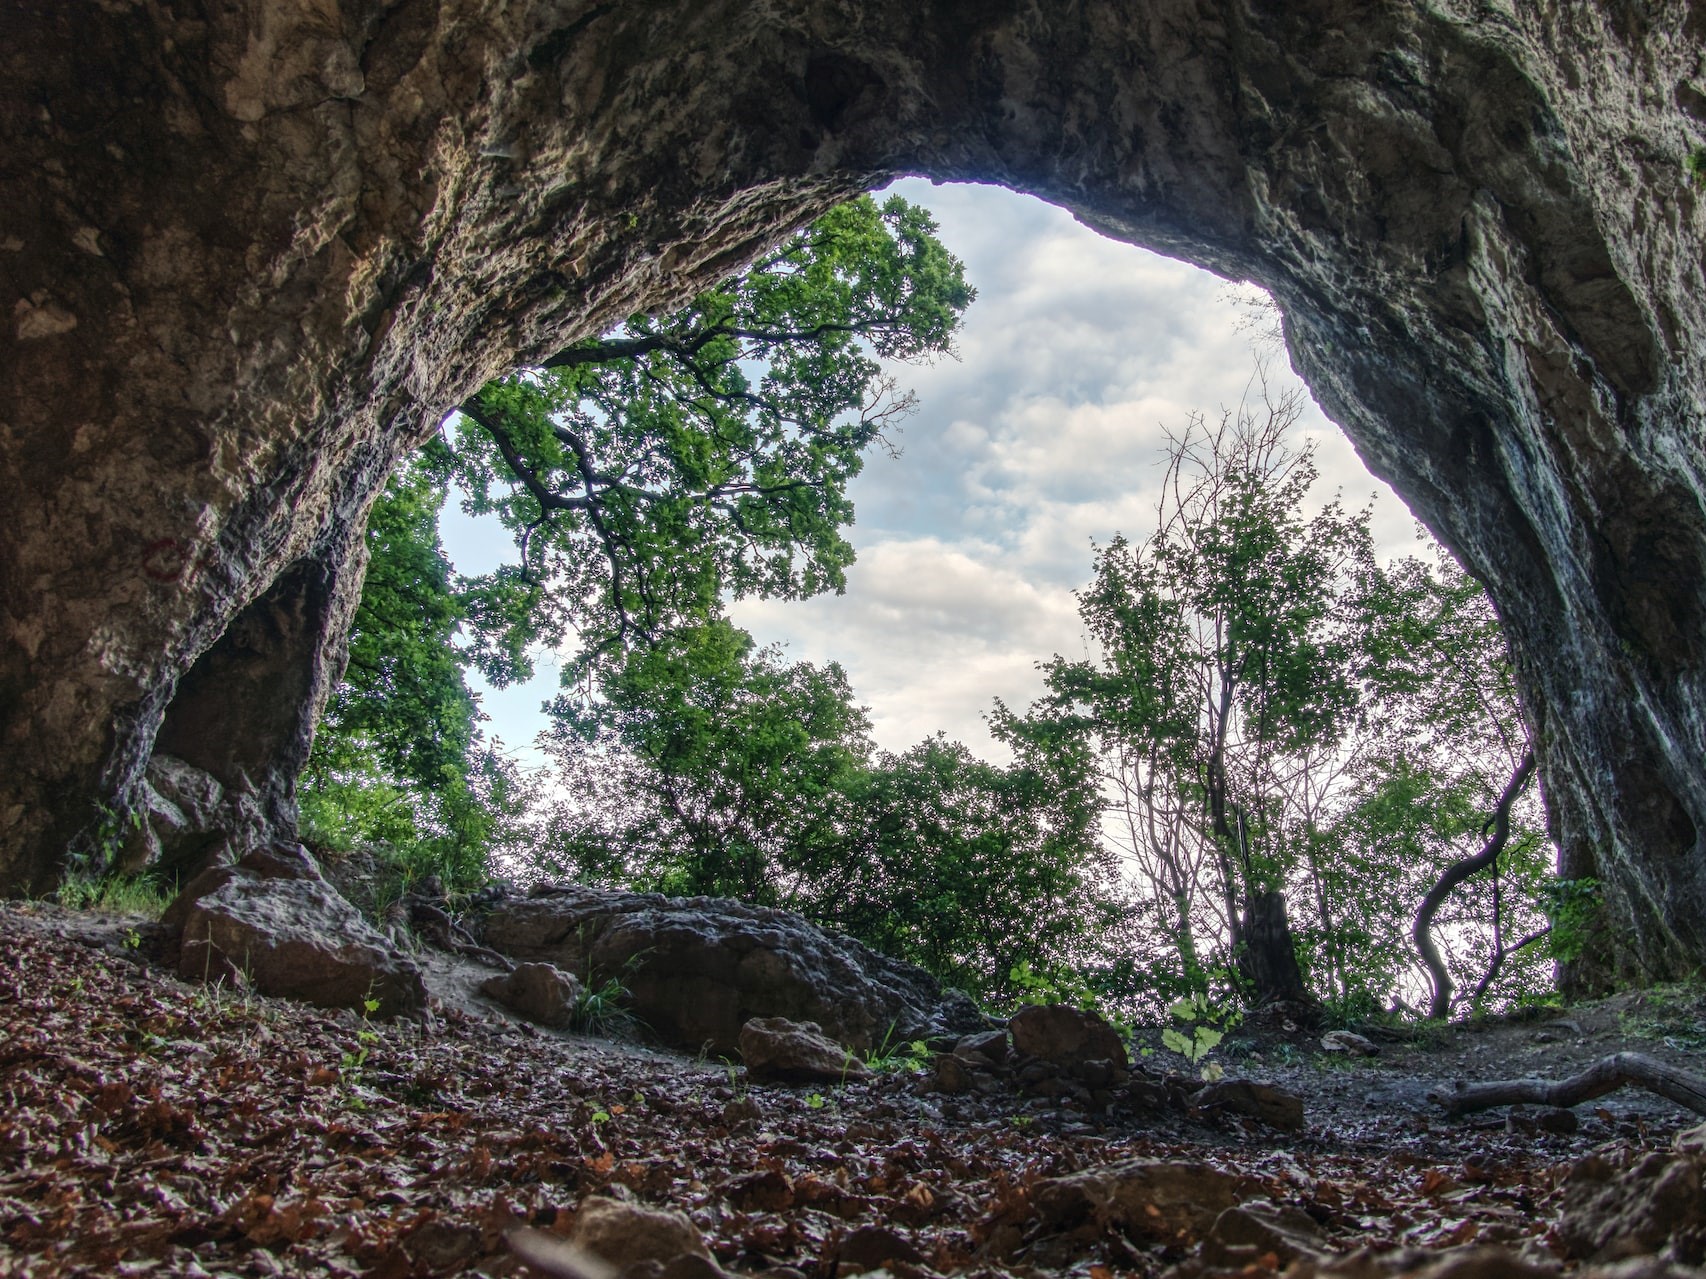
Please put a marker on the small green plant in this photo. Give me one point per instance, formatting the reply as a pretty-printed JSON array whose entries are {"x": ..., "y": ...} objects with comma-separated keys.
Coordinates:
[
  {"x": 1021, "y": 1122},
  {"x": 1204, "y": 1026},
  {"x": 602, "y": 1009},
  {"x": 816, "y": 1101},
  {"x": 354, "y": 1062},
  {"x": 601, "y": 1116},
  {"x": 132, "y": 939},
  {"x": 118, "y": 894},
  {"x": 737, "y": 1081},
  {"x": 890, "y": 1057},
  {"x": 1694, "y": 165}
]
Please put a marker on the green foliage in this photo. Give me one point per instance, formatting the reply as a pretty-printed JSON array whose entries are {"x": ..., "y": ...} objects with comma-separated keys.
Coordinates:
[
  {"x": 654, "y": 471},
  {"x": 710, "y": 766},
  {"x": 646, "y": 475},
  {"x": 706, "y": 766},
  {"x": 1199, "y": 1027},
  {"x": 898, "y": 1057},
  {"x": 352, "y": 1065},
  {"x": 118, "y": 894},
  {"x": 969, "y": 869},
  {"x": 398, "y": 765},
  {"x": 1574, "y": 908},
  {"x": 1694, "y": 165},
  {"x": 1275, "y": 720},
  {"x": 602, "y": 1008}
]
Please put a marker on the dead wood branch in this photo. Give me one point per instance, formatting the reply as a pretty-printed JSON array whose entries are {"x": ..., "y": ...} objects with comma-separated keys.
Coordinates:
[{"x": 1606, "y": 1075}]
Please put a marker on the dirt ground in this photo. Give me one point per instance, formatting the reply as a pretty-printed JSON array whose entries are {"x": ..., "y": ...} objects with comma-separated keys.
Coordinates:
[{"x": 155, "y": 1127}]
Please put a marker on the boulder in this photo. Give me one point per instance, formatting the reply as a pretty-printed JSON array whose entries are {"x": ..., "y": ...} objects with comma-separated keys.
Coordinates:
[
  {"x": 541, "y": 993},
  {"x": 273, "y": 922},
  {"x": 697, "y": 969},
  {"x": 180, "y": 819},
  {"x": 1273, "y": 1106},
  {"x": 626, "y": 1234},
  {"x": 1653, "y": 1202},
  {"x": 796, "y": 1052},
  {"x": 1147, "y": 1200},
  {"x": 1065, "y": 1036},
  {"x": 1348, "y": 1041}
]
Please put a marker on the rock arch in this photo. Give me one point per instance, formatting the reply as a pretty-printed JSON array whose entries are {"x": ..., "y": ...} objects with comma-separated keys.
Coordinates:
[{"x": 249, "y": 253}]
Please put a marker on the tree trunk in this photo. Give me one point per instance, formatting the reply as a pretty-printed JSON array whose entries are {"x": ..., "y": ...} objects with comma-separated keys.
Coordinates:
[
  {"x": 1268, "y": 960},
  {"x": 1500, "y": 822}
]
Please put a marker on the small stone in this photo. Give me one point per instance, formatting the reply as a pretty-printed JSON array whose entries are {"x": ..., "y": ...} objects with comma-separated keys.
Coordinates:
[
  {"x": 1345, "y": 1041},
  {"x": 542, "y": 993},
  {"x": 625, "y": 1233},
  {"x": 796, "y": 1052},
  {"x": 1168, "y": 1201},
  {"x": 877, "y": 1248},
  {"x": 1558, "y": 1120},
  {"x": 990, "y": 1044},
  {"x": 1273, "y": 1106},
  {"x": 950, "y": 1074}
]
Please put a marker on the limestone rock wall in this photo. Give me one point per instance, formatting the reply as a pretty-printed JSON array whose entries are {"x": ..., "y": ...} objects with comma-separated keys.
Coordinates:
[{"x": 250, "y": 251}]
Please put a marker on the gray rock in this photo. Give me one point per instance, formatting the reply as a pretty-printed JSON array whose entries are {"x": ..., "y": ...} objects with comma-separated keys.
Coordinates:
[
  {"x": 273, "y": 922},
  {"x": 1164, "y": 1200},
  {"x": 1272, "y": 1105},
  {"x": 178, "y": 821},
  {"x": 697, "y": 969},
  {"x": 626, "y": 1234},
  {"x": 541, "y": 993},
  {"x": 796, "y": 1052},
  {"x": 1065, "y": 1036}
]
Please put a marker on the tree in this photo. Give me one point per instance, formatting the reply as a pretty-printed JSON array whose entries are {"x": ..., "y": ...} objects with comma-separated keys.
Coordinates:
[
  {"x": 1228, "y": 662},
  {"x": 646, "y": 475},
  {"x": 705, "y": 765},
  {"x": 651, "y": 472},
  {"x": 970, "y": 869},
  {"x": 398, "y": 759},
  {"x": 1442, "y": 766}
]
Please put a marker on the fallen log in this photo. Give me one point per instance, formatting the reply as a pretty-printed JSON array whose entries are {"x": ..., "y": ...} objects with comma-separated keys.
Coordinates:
[{"x": 1606, "y": 1075}]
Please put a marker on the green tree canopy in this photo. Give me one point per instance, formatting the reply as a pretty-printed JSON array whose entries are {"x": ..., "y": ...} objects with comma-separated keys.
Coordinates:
[
  {"x": 645, "y": 475},
  {"x": 648, "y": 473}
]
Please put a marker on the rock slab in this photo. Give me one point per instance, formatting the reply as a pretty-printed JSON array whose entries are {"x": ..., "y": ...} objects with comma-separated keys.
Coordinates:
[
  {"x": 796, "y": 1053},
  {"x": 697, "y": 969},
  {"x": 273, "y": 922},
  {"x": 542, "y": 993},
  {"x": 1062, "y": 1035}
]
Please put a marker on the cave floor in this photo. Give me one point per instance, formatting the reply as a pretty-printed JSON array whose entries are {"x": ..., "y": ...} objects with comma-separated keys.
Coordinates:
[{"x": 154, "y": 1127}]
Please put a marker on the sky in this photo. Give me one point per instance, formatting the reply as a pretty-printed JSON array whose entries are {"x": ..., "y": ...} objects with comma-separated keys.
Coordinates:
[{"x": 1043, "y": 438}]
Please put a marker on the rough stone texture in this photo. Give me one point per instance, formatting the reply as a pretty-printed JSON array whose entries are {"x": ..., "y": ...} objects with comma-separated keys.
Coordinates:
[
  {"x": 1151, "y": 1200},
  {"x": 626, "y": 1234},
  {"x": 1656, "y": 1204},
  {"x": 1065, "y": 1036},
  {"x": 250, "y": 253},
  {"x": 539, "y": 992},
  {"x": 1273, "y": 1106},
  {"x": 796, "y": 1052},
  {"x": 272, "y": 922},
  {"x": 697, "y": 969}
]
